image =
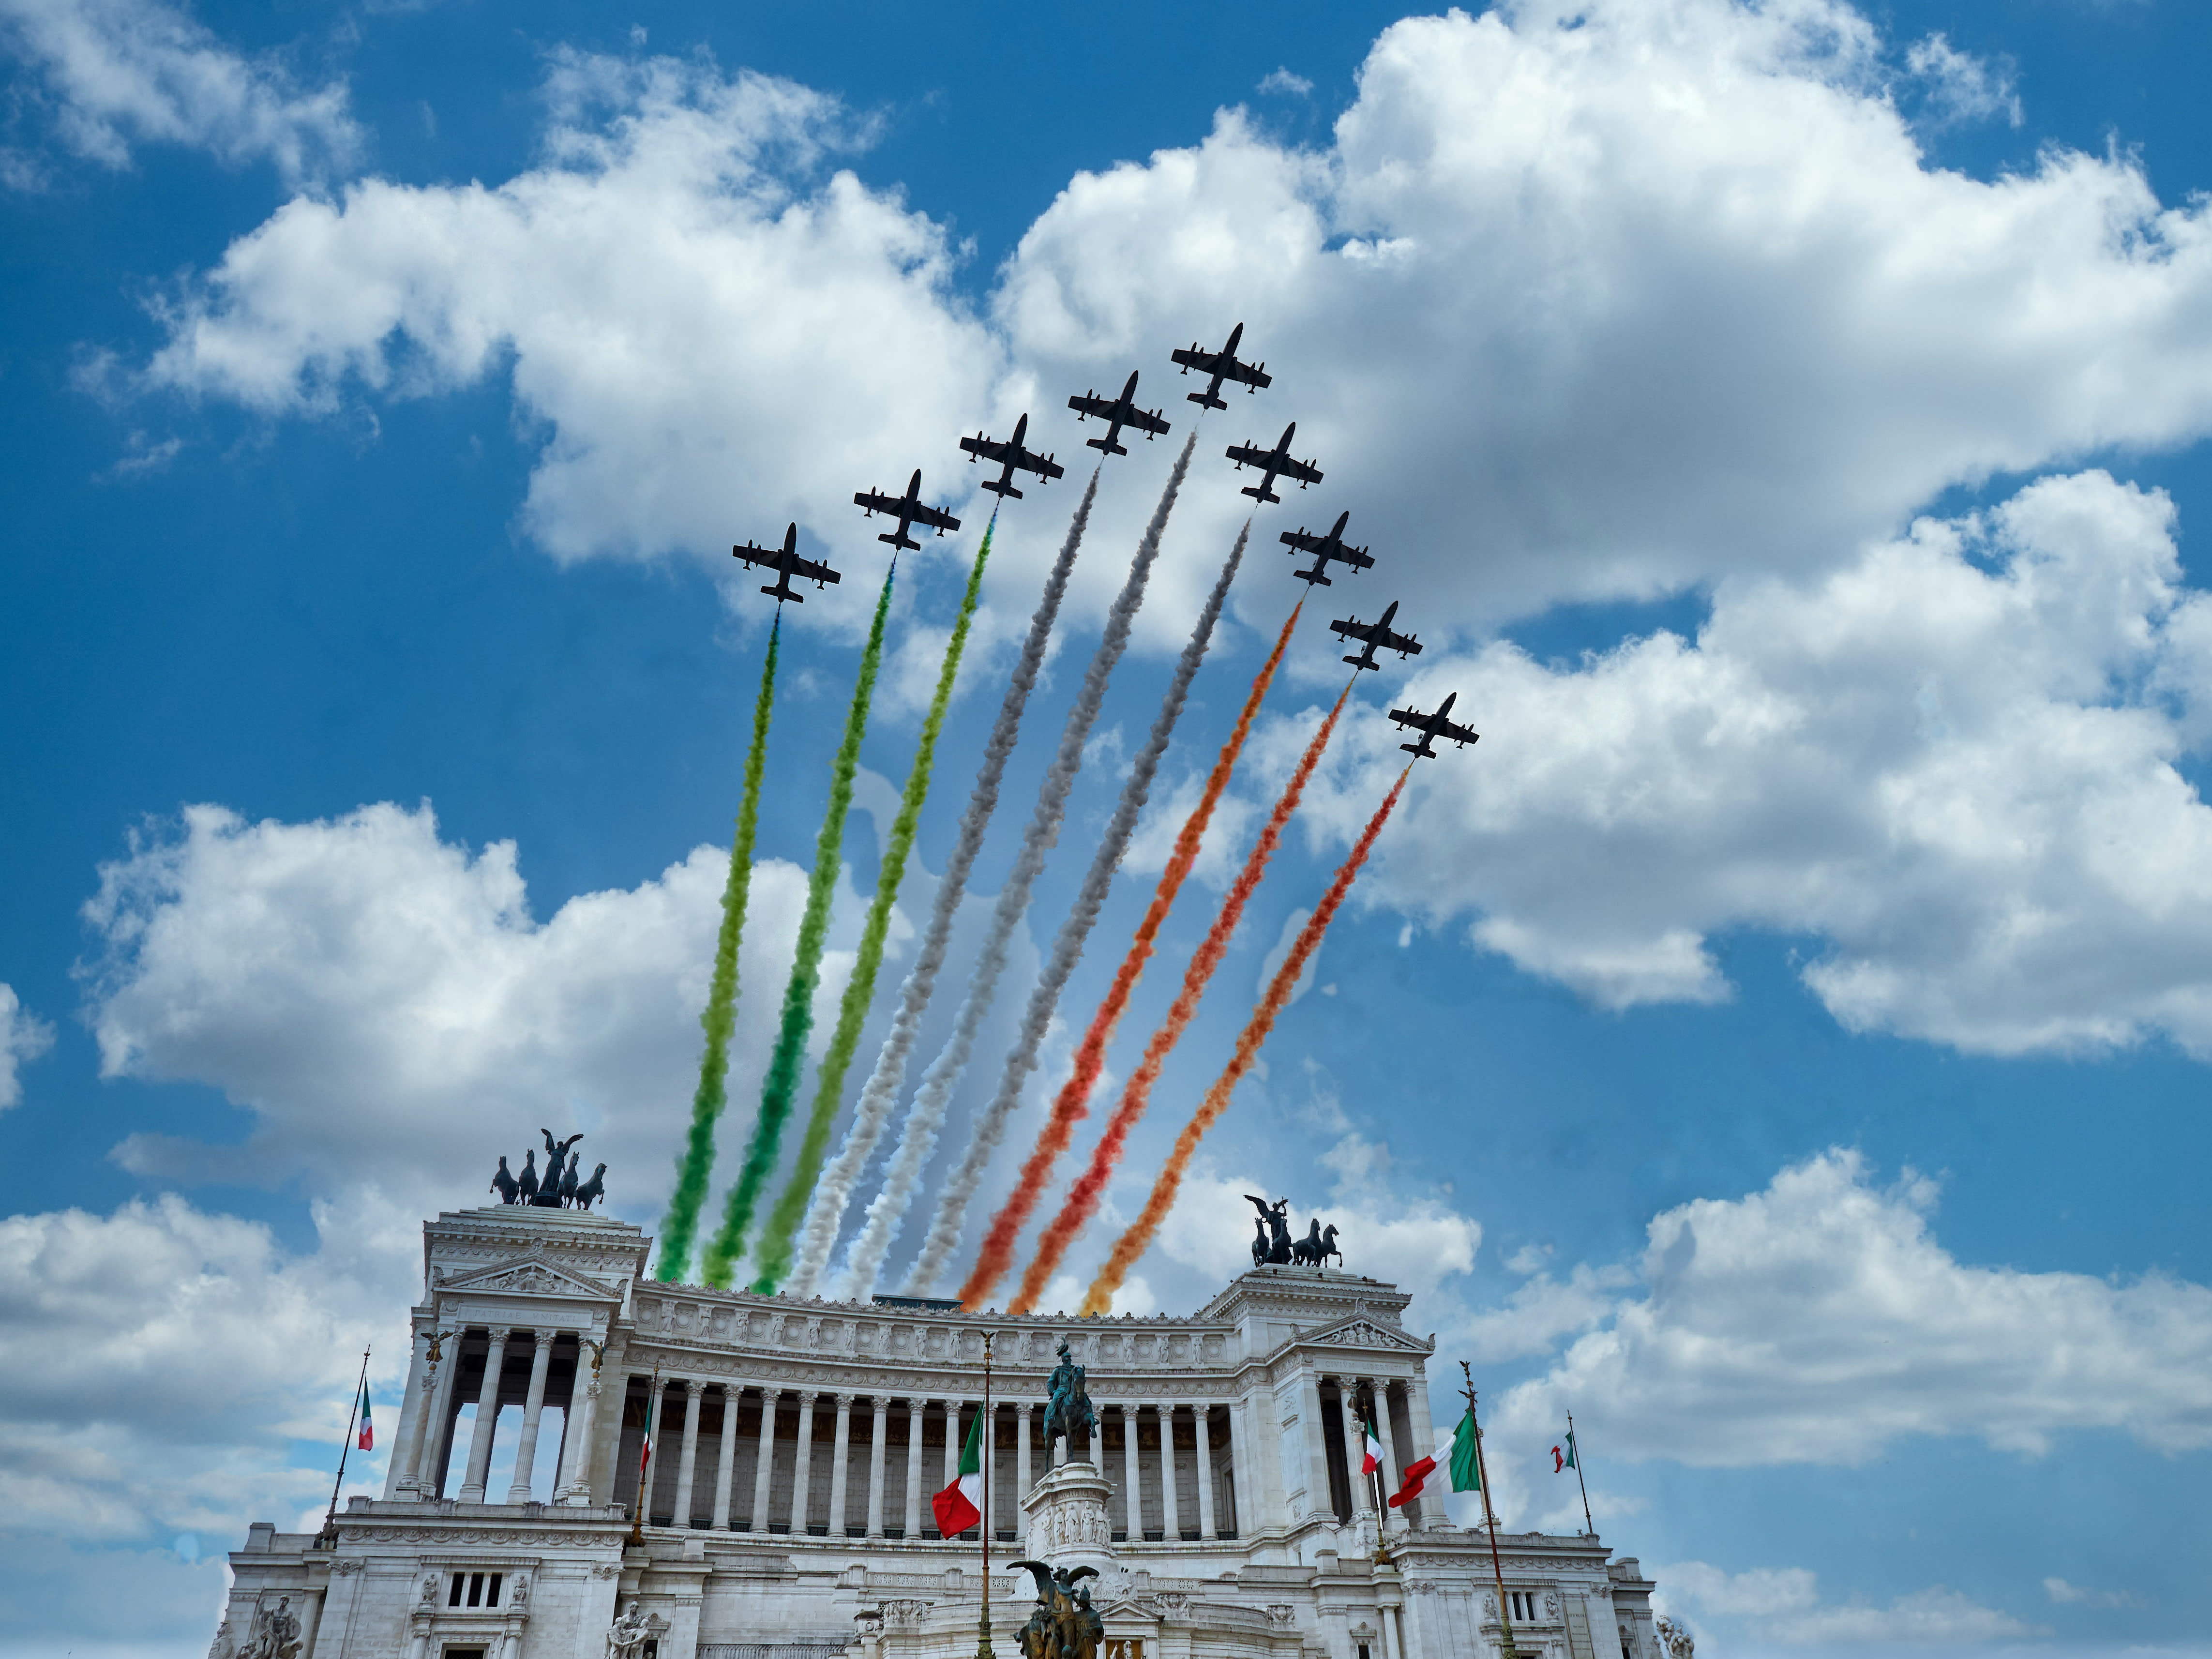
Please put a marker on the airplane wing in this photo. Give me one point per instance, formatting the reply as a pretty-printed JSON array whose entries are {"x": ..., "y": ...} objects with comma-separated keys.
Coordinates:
[
  {"x": 1304, "y": 471},
  {"x": 1215, "y": 362},
  {"x": 1455, "y": 731},
  {"x": 1414, "y": 717},
  {"x": 766, "y": 557},
  {"x": 1405, "y": 644},
  {"x": 1357, "y": 557},
  {"x": 1091, "y": 404},
  {"x": 876, "y": 501},
  {"x": 988, "y": 449},
  {"x": 1306, "y": 541},
  {"x": 1249, "y": 375},
  {"x": 930, "y": 515},
  {"x": 1253, "y": 455},
  {"x": 1353, "y": 629},
  {"x": 1143, "y": 421},
  {"x": 1043, "y": 465},
  {"x": 821, "y": 573}
]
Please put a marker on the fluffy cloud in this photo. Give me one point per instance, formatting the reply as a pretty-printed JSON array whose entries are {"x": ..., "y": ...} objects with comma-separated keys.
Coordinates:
[
  {"x": 1819, "y": 1321},
  {"x": 23, "y": 1036},
  {"x": 385, "y": 1006},
  {"x": 117, "y": 72},
  {"x": 1784, "y": 1605},
  {"x": 712, "y": 342},
  {"x": 1952, "y": 762}
]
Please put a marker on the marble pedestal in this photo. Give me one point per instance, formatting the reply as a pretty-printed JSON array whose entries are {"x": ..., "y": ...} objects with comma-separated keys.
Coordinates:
[{"x": 1067, "y": 1523}]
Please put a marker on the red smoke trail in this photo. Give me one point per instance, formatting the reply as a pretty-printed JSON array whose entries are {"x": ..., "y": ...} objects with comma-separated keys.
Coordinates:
[
  {"x": 1070, "y": 1106},
  {"x": 1134, "y": 1243},
  {"x": 1082, "y": 1202}
]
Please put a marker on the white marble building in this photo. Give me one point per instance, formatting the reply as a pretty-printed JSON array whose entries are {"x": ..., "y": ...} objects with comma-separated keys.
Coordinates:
[{"x": 798, "y": 1446}]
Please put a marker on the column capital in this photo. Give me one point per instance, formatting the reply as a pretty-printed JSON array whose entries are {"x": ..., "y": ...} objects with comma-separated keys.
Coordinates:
[
  {"x": 844, "y": 1400},
  {"x": 808, "y": 1396},
  {"x": 694, "y": 1386},
  {"x": 768, "y": 1395},
  {"x": 499, "y": 1334}
]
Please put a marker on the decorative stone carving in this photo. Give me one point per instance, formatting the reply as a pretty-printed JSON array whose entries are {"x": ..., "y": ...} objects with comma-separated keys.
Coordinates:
[
  {"x": 628, "y": 1635},
  {"x": 276, "y": 1633},
  {"x": 1674, "y": 1639},
  {"x": 1550, "y": 1605}
]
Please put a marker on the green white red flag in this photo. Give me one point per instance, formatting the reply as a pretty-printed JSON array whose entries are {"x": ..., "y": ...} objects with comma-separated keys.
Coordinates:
[
  {"x": 1456, "y": 1457},
  {"x": 1370, "y": 1449},
  {"x": 960, "y": 1506}
]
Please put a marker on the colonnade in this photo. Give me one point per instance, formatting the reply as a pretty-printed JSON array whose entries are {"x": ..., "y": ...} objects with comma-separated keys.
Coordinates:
[
  {"x": 1400, "y": 1411},
  {"x": 1190, "y": 1492},
  {"x": 423, "y": 1456}
]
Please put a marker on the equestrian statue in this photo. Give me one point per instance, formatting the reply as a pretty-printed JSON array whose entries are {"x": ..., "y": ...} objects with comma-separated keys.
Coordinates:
[{"x": 1067, "y": 1407}]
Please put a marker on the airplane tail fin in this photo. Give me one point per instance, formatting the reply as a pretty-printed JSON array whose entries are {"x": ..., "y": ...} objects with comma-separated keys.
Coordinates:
[{"x": 1360, "y": 662}]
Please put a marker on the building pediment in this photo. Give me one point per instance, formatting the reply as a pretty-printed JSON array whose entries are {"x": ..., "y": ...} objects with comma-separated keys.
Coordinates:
[
  {"x": 1364, "y": 1331},
  {"x": 534, "y": 1276}
]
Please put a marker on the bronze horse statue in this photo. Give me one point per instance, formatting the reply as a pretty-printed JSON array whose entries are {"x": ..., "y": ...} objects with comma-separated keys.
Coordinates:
[
  {"x": 1316, "y": 1247},
  {"x": 1065, "y": 1625}
]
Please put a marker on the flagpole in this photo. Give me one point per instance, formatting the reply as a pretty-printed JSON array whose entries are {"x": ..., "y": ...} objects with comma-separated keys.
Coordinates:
[
  {"x": 989, "y": 1448},
  {"x": 328, "y": 1535},
  {"x": 1576, "y": 1447},
  {"x": 1489, "y": 1518},
  {"x": 644, "y": 1454}
]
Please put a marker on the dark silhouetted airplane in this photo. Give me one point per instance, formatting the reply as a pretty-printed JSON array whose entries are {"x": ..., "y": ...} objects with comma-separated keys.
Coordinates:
[
  {"x": 1432, "y": 726},
  {"x": 1222, "y": 365},
  {"x": 980, "y": 448},
  {"x": 1325, "y": 548},
  {"x": 1276, "y": 463},
  {"x": 1118, "y": 412},
  {"x": 786, "y": 563},
  {"x": 1376, "y": 635},
  {"x": 907, "y": 509}
]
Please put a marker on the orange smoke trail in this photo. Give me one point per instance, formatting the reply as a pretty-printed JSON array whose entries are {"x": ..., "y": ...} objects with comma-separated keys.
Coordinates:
[
  {"x": 1139, "y": 1237},
  {"x": 1070, "y": 1106},
  {"x": 1082, "y": 1202}
]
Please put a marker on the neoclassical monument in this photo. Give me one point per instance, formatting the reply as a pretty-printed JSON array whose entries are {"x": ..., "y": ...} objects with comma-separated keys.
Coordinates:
[{"x": 796, "y": 1449}]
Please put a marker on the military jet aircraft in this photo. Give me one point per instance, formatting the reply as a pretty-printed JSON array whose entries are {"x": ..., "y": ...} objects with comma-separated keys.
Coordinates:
[
  {"x": 1432, "y": 726},
  {"x": 980, "y": 448},
  {"x": 1222, "y": 365},
  {"x": 1376, "y": 635},
  {"x": 1276, "y": 463},
  {"x": 1117, "y": 412},
  {"x": 908, "y": 509},
  {"x": 786, "y": 563},
  {"x": 1325, "y": 548}
]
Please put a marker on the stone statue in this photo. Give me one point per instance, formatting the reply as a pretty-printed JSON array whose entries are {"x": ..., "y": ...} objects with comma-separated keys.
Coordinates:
[
  {"x": 276, "y": 1633},
  {"x": 628, "y": 1635},
  {"x": 1276, "y": 1218},
  {"x": 527, "y": 1184},
  {"x": 556, "y": 1152},
  {"x": 568, "y": 1179},
  {"x": 1316, "y": 1247},
  {"x": 504, "y": 1183},
  {"x": 1067, "y": 1407},
  {"x": 1675, "y": 1638},
  {"x": 596, "y": 1188},
  {"x": 1065, "y": 1625}
]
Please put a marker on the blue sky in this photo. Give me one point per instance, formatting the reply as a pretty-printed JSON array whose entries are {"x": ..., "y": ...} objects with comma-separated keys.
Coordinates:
[{"x": 1780, "y": 1042}]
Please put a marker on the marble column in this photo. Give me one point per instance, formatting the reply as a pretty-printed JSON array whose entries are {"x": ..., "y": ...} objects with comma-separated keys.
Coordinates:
[
  {"x": 472, "y": 1486},
  {"x": 1133, "y": 1477},
  {"x": 1171, "y": 1519},
  {"x": 575, "y": 1486},
  {"x": 533, "y": 1405},
  {"x": 1318, "y": 1501},
  {"x": 1244, "y": 1493},
  {"x": 1421, "y": 1430},
  {"x": 431, "y": 1422},
  {"x": 726, "y": 1459},
  {"x": 1394, "y": 1472},
  {"x": 1199, "y": 1412},
  {"x": 1355, "y": 1439},
  {"x": 400, "y": 1475},
  {"x": 802, "y": 1476},
  {"x": 840, "y": 1464},
  {"x": 1023, "y": 1476},
  {"x": 951, "y": 1441},
  {"x": 916, "y": 1410},
  {"x": 880, "y": 1440},
  {"x": 758, "y": 1522},
  {"x": 695, "y": 1393}
]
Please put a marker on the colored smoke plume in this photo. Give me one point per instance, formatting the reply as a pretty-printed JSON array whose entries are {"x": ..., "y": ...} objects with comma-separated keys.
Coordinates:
[
  {"x": 780, "y": 1085},
  {"x": 990, "y": 1124},
  {"x": 1071, "y": 1103},
  {"x": 1082, "y": 1201},
  {"x": 681, "y": 1224},
  {"x": 925, "y": 1117},
  {"x": 880, "y": 1093},
  {"x": 772, "y": 1254},
  {"x": 1132, "y": 1244}
]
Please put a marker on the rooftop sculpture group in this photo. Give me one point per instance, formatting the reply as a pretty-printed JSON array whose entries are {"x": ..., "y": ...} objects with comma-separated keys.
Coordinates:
[
  {"x": 558, "y": 1187},
  {"x": 1065, "y": 1625},
  {"x": 1273, "y": 1245}
]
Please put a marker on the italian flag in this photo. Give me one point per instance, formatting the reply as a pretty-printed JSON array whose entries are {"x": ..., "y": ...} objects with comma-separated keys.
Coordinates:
[
  {"x": 368, "y": 1440},
  {"x": 645, "y": 1447},
  {"x": 1563, "y": 1461},
  {"x": 1370, "y": 1449},
  {"x": 1457, "y": 1458},
  {"x": 960, "y": 1506}
]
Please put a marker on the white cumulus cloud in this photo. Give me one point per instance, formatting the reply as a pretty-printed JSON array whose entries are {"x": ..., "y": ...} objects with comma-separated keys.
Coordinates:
[
  {"x": 23, "y": 1037},
  {"x": 1819, "y": 1321},
  {"x": 1784, "y": 1605}
]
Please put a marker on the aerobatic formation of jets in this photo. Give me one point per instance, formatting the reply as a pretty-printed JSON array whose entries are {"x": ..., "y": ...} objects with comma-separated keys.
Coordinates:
[{"x": 1012, "y": 455}]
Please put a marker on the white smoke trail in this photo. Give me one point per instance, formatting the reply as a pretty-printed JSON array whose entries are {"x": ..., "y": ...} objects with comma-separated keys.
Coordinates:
[
  {"x": 1067, "y": 949},
  {"x": 888, "y": 1080},
  {"x": 926, "y": 1116}
]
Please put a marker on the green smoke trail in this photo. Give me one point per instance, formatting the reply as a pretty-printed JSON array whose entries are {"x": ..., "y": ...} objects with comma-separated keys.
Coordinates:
[
  {"x": 772, "y": 1254},
  {"x": 780, "y": 1086},
  {"x": 681, "y": 1224}
]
